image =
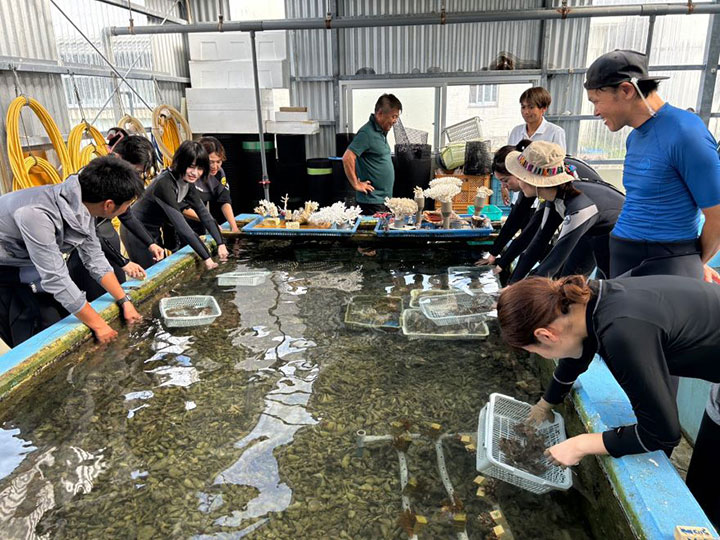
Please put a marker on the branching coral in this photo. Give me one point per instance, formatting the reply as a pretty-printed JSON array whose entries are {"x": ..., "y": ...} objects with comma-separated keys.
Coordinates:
[
  {"x": 336, "y": 214},
  {"x": 418, "y": 192},
  {"x": 304, "y": 213},
  {"x": 483, "y": 192},
  {"x": 442, "y": 192},
  {"x": 267, "y": 209},
  {"x": 446, "y": 180},
  {"x": 401, "y": 207}
]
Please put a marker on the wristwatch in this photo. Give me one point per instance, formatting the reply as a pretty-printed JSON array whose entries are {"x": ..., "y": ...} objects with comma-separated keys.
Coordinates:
[{"x": 124, "y": 299}]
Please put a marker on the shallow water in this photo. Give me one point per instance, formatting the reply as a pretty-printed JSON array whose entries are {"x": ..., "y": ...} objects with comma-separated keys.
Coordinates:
[{"x": 247, "y": 427}]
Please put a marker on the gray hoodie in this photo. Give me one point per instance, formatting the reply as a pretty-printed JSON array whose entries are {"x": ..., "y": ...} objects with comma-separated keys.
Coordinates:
[{"x": 38, "y": 225}]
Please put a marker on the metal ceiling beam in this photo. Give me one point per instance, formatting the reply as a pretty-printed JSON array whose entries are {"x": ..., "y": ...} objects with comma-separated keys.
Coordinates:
[
  {"x": 139, "y": 8},
  {"x": 712, "y": 55},
  {"x": 441, "y": 18}
]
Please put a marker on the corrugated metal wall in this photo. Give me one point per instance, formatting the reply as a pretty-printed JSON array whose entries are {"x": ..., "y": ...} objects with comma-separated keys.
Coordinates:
[{"x": 33, "y": 31}]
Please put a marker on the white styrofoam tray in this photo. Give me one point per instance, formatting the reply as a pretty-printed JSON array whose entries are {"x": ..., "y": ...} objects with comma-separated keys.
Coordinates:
[
  {"x": 239, "y": 74},
  {"x": 269, "y": 45}
]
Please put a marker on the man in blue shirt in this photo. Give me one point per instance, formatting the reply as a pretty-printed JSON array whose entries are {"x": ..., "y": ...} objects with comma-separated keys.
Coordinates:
[
  {"x": 671, "y": 173},
  {"x": 367, "y": 161}
]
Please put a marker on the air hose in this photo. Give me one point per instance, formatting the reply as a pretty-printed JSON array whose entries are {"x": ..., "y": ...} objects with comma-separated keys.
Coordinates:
[
  {"x": 165, "y": 122},
  {"x": 20, "y": 165},
  {"x": 82, "y": 156}
]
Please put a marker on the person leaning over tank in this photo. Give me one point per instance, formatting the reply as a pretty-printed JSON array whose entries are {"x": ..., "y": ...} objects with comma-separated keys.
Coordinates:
[
  {"x": 647, "y": 330},
  {"x": 367, "y": 161},
  {"x": 39, "y": 226},
  {"x": 534, "y": 103},
  {"x": 161, "y": 203},
  {"x": 139, "y": 152},
  {"x": 213, "y": 190},
  {"x": 671, "y": 173},
  {"x": 585, "y": 211}
]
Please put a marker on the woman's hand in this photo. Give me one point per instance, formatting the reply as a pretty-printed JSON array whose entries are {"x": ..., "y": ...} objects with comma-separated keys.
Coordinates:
[
  {"x": 539, "y": 413},
  {"x": 710, "y": 275},
  {"x": 497, "y": 270},
  {"x": 134, "y": 270},
  {"x": 569, "y": 453},
  {"x": 210, "y": 264},
  {"x": 222, "y": 252},
  {"x": 158, "y": 253}
]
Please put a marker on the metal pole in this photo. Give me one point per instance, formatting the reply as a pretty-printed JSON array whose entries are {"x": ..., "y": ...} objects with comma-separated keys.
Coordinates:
[
  {"x": 712, "y": 56},
  {"x": 100, "y": 53},
  {"x": 651, "y": 31},
  {"x": 431, "y": 18},
  {"x": 261, "y": 129}
]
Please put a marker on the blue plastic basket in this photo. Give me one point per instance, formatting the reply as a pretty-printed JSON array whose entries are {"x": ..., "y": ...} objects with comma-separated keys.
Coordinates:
[{"x": 251, "y": 229}]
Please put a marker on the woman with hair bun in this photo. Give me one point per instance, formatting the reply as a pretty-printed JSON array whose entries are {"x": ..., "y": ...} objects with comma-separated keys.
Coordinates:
[{"x": 646, "y": 329}]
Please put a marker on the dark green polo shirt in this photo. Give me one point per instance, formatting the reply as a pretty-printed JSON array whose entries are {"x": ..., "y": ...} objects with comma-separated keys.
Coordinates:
[{"x": 373, "y": 162}]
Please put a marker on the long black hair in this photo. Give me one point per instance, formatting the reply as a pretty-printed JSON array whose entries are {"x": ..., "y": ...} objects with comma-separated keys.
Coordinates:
[
  {"x": 190, "y": 152},
  {"x": 498, "y": 164}
]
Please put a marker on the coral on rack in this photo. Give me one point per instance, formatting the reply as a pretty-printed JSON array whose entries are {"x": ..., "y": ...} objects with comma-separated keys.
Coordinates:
[
  {"x": 401, "y": 207},
  {"x": 302, "y": 215},
  {"x": 484, "y": 192},
  {"x": 336, "y": 214},
  {"x": 446, "y": 180},
  {"x": 267, "y": 209},
  {"x": 418, "y": 192},
  {"x": 443, "y": 192}
]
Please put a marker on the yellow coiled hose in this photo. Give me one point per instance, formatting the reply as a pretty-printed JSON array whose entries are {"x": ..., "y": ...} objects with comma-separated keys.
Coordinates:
[
  {"x": 82, "y": 156},
  {"x": 131, "y": 125},
  {"x": 20, "y": 165},
  {"x": 165, "y": 129}
]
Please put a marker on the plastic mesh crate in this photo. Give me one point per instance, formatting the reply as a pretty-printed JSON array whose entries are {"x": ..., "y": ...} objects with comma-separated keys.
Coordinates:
[
  {"x": 415, "y": 325},
  {"x": 456, "y": 307},
  {"x": 467, "y": 130},
  {"x": 243, "y": 279},
  {"x": 497, "y": 421},
  {"x": 189, "y": 310},
  {"x": 374, "y": 311}
]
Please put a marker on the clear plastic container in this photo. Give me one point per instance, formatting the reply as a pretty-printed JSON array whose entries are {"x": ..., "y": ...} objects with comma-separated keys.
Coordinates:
[
  {"x": 374, "y": 311},
  {"x": 456, "y": 307},
  {"x": 243, "y": 279}
]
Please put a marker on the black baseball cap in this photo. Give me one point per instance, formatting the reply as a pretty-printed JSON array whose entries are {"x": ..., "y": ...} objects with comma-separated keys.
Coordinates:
[{"x": 616, "y": 67}]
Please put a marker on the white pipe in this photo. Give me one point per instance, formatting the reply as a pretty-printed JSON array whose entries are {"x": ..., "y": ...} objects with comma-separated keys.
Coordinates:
[
  {"x": 403, "y": 483},
  {"x": 442, "y": 469}
]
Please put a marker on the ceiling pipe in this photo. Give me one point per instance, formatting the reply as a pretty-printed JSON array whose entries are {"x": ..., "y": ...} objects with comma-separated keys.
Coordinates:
[{"x": 580, "y": 12}]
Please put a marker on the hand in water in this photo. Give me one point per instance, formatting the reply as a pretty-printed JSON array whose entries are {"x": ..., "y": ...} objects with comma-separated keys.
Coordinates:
[{"x": 210, "y": 264}]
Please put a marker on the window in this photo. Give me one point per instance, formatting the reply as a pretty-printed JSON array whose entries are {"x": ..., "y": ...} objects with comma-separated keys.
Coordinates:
[
  {"x": 483, "y": 95},
  {"x": 498, "y": 118},
  {"x": 418, "y": 110}
]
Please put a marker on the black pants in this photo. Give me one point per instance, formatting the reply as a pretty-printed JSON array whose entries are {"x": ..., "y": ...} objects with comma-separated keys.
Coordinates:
[
  {"x": 590, "y": 252},
  {"x": 24, "y": 313},
  {"x": 641, "y": 258},
  {"x": 703, "y": 474},
  {"x": 370, "y": 209}
]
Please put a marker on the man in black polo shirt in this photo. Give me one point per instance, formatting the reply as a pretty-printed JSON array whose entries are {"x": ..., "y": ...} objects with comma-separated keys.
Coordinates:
[{"x": 367, "y": 160}]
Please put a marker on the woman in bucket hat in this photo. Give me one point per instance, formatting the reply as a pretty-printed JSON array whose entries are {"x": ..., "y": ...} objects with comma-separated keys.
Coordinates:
[{"x": 585, "y": 216}]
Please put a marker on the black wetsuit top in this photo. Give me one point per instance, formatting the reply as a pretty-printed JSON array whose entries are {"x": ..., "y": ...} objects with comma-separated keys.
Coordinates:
[
  {"x": 647, "y": 329},
  {"x": 593, "y": 213},
  {"x": 159, "y": 205},
  {"x": 528, "y": 219}
]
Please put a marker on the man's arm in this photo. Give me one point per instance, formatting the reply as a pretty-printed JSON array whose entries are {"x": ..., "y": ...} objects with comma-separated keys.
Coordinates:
[
  {"x": 349, "y": 159},
  {"x": 710, "y": 237}
]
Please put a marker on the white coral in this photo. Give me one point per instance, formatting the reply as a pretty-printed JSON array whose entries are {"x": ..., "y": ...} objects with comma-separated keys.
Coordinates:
[
  {"x": 267, "y": 209},
  {"x": 484, "y": 192},
  {"x": 304, "y": 213},
  {"x": 418, "y": 192},
  {"x": 442, "y": 192},
  {"x": 446, "y": 180},
  {"x": 336, "y": 214},
  {"x": 401, "y": 206}
]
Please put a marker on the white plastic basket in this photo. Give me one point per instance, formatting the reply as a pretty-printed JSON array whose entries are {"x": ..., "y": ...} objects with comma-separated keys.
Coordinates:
[
  {"x": 167, "y": 305},
  {"x": 473, "y": 277},
  {"x": 496, "y": 422},
  {"x": 243, "y": 279},
  {"x": 415, "y": 326},
  {"x": 456, "y": 307},
  {"x": 467, "y": 130}
]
